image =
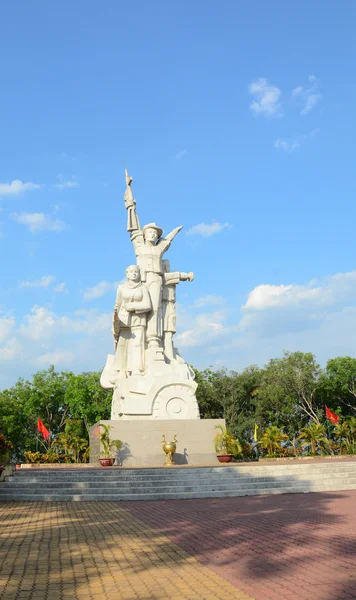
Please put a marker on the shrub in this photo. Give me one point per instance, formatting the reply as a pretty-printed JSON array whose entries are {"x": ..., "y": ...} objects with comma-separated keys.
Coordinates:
[
  {"x": 6, "y": 449},
  {"x": 32, "y": 457}
]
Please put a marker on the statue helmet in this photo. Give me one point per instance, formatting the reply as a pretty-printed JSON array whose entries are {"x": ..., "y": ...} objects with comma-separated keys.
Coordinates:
[{"x": 153, "y": 226}]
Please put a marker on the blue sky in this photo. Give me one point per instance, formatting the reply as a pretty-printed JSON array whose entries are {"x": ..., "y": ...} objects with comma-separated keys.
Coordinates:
[{"x": 234, "y": 119}]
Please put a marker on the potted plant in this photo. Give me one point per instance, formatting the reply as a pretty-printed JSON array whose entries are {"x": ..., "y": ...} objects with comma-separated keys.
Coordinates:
[
  {"x": 107, "y": 446},
  {"x": 225, "y": 445}
]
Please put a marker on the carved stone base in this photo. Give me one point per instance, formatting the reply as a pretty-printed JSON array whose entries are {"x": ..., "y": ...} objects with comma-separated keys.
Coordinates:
[
  {"x": 142, "y": 439},
  {"x": 168, "y": 392}
]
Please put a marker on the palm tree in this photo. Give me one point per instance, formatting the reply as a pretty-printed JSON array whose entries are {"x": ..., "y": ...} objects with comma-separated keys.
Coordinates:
[
  {"x": 345, "y": 433},
  {"x": 342, "y": 434},
  {"x": 271, "y": 440},
  {"x": 313, "y": 436}
]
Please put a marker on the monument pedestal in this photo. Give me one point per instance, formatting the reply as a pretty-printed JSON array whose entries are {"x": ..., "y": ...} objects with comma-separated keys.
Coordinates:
[{"x": 142, "y": 445}]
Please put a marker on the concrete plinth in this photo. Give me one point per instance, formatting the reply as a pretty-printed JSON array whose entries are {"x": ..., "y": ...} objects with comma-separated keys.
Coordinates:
[{"x": 142, "y": 441}]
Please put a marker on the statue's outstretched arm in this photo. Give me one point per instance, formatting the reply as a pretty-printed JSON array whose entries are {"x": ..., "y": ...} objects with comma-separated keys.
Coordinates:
[{"x": 170, "y": 237}]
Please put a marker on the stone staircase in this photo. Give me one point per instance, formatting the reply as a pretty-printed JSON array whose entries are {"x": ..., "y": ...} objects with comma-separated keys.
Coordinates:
[{"x": 114, "y": 484}]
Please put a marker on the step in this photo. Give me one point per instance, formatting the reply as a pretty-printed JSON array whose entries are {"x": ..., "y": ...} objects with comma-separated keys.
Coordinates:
[
  {"x": 99, "y": 479},
  {"x": 81, "y": 489},
  {"x": 166, "y": 496},
  {"x": 116, "y": 484},
  {"x": 177, "y": 473},
  {"x": 15, "y": 484}
]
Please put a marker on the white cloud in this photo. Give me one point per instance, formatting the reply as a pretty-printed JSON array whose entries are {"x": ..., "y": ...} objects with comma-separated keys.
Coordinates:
[
  {"x": 205, "y": 328},
  {"x": 266, "y": 100},
  {"x": 296, "y": 143},
  {"x": 311, "y": 101},
  {"x": 39, "y": 222},
  {"x": 10, "y": 350},
  {"x": 61, "y": 288},
  {"x": 307, "y": 97},
  {"x": 280, "y": 144},
  {"x": 328, "y": 291},
  {"x": 181, "y": 154},
  {"x": 206, "y": 300},
  {"x": 6, "y": 326},
  {"x": 206, "y": 230},
  {"x": 297, "y": 91},
  {"x": 63, "y": 184},
  {"x": 99, "y": 290},
  {"x": 79, "y": 341},
  {"x": 44, "y": 282},
  {"x": 16, "y": 187},
  {"x": 58, "y": 358},
  {"x": 40, "y": 324}
]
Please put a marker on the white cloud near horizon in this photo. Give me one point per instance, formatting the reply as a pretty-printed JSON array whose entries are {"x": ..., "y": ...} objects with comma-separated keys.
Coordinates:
[
  {"x": 327, "y": 291},
  {"x": 37, "y": 222},
  {"x": 203, "y": 329},
  {"x": 63, "y": 358},
  {"x": 17, "y": 187},
  {"x": 317, "y": 316},
  {"x": 42, "y": 337},
  {"x": 6, "y": 326},
  {"x": 266, "y": 98},
  {"x": 205, "y": 230}
]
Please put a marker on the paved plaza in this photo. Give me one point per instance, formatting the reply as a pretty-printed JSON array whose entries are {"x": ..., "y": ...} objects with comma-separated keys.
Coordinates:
[{"x": 300, "y": 546}]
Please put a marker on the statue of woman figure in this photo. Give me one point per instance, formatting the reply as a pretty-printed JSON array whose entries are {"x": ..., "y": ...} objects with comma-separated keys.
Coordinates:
[{"x": 129, "y": 324}]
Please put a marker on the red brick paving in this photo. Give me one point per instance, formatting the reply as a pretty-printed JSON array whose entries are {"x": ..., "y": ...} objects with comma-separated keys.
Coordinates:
[{"x": 287, "y": 547}]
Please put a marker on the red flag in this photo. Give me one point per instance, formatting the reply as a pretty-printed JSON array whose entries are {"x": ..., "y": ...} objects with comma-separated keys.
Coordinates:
[
  {"x": 333, "y": 417},
  {"x": 43, "y": 429}
]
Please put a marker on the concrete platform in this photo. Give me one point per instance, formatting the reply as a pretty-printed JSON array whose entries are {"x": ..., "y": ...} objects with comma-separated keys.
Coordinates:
[{"x": 142, "y": 441}]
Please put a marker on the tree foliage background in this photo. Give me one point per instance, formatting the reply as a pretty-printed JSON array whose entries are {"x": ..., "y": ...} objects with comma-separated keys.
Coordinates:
[{"x": 288, "y": 393}]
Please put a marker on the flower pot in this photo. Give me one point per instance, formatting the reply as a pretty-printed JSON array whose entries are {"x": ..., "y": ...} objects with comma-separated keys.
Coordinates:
[
  {"x": 224, "y": 458},
  {"x": 106, "y": 462}
]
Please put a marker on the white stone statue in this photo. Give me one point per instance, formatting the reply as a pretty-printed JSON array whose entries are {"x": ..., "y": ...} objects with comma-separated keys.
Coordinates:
[
  {"x": 149, "y": 377},
  {"x": 129, "y": 324},
  {"x": 170, "y": 281}
]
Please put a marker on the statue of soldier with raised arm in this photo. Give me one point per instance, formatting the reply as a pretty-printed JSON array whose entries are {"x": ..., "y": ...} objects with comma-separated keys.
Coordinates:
[{"x": 149, "y": 248}]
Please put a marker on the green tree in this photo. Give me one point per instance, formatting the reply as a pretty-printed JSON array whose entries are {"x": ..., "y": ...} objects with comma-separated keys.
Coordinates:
[
  {"x": 54, "y": 397},
  {"x": 338, "y": 384},
  {"x": 287, "y": 394},
  {"x": 86, "y": 399},
  {"x": 229, "y": 395}
]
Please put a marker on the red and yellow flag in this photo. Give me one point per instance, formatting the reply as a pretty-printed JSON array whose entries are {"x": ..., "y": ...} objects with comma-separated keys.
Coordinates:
[{"x": 333, "y": 417}]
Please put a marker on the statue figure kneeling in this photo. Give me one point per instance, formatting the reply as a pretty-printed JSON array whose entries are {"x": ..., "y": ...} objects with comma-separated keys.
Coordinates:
[{"x": 129, "y": 324}]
